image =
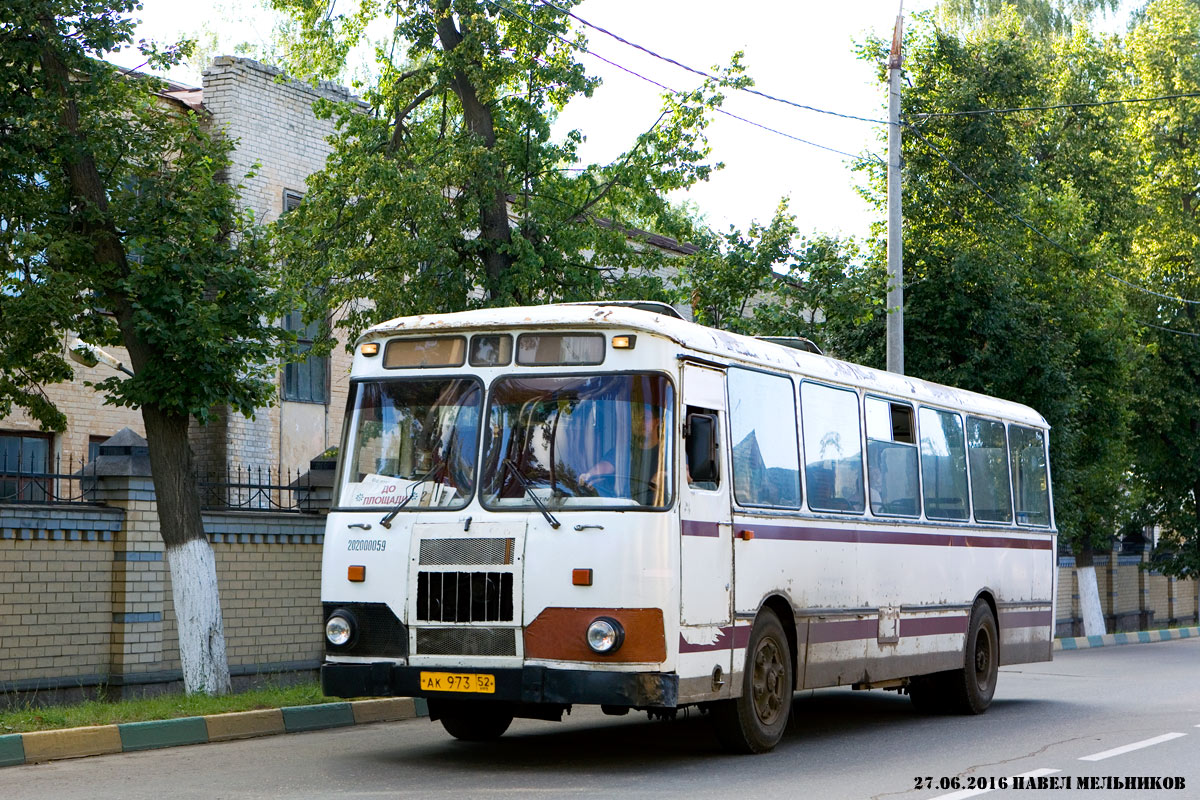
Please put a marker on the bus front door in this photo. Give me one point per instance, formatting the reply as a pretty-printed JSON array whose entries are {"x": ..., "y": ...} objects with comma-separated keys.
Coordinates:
[{"x": 706, "y": 530}]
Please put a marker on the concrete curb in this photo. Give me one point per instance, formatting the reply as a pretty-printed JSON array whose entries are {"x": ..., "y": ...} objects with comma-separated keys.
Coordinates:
[
  {"x": 38, "y": 746},
  {"x": 1138, "y": 637}
]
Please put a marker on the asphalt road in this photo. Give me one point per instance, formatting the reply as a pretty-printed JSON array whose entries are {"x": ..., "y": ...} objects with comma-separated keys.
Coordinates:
[{"x": 1074, "y": 718}]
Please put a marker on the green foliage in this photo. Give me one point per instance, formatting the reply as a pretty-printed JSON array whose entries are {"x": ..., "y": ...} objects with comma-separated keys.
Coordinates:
[
  {"x": 448, "y": 191},
  {"x": 1164, "y": 58},
  {"x": 1044, "y": 16},
  {"x": 156, "y": 255},
  {"x": 990, "y": 304}
]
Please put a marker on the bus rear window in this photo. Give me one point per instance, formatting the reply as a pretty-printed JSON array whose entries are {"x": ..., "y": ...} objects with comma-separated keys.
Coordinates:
[
  {"x": 558, "y": 349},
  {"x": 435, "y": 351}
]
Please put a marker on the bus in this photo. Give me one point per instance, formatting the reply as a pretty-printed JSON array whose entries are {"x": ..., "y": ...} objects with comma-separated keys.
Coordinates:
[{"x": 605, "y": 504}]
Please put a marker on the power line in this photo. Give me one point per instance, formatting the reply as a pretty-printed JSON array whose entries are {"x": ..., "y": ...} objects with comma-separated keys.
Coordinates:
[
  {"x": 506, "y": 10},
  {"x": 1090, "y": 104},
  {"x": 703, "y": 73},
  {"x": 1015, "y": 216},
  {"x": 1169, "y": 330}
]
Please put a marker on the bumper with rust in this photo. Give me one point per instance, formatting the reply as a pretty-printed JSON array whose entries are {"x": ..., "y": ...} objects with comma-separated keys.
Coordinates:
[{"x": 530, "y": 684}]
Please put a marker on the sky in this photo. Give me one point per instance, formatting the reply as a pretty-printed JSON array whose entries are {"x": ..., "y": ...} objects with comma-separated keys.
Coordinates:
[{"x": 804, "y": 52}]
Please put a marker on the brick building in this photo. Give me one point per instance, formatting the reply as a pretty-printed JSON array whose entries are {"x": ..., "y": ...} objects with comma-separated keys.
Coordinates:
[{"x": 278, "y": 137}]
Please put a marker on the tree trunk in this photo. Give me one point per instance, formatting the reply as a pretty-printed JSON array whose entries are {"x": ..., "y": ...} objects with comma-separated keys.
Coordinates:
[
  {"x": 494, "y": 229},
  {"x": 189, "y": 556},
  {"x": 1089, "y": 593}
]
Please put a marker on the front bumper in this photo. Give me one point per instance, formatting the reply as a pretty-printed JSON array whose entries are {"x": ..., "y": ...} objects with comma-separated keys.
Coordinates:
[{"x": 530, "y": 684}]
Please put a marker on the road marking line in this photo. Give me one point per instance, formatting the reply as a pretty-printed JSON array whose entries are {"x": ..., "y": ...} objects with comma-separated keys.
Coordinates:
[
  {"x": 965, "y": 793},
  {"x": 1116, "y": 751}
]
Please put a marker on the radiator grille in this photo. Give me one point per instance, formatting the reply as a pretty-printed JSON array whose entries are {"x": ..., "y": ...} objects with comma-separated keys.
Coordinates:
[
  {"x": 467, "y": 641},
  {"x": 464, "y": 596},
  {"x": 467, "y": 552}
]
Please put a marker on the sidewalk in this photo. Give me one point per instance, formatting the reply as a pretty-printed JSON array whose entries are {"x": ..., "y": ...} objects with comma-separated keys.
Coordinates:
[
  {"x": 30, "y": 748},
  {"x": 1138, "y": 637}
]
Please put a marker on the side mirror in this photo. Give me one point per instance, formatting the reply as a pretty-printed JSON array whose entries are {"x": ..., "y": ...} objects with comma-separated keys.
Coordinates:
[{"x": 701, "y": 445}]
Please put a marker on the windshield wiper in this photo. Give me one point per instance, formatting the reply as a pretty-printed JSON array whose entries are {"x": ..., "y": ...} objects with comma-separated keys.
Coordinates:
[
  {"x": 521, "y": 479},
  {"x": 412, "y": 492}
]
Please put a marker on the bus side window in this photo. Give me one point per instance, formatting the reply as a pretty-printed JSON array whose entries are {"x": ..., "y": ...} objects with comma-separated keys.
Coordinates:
[
  {"x": 987, "y": 450},
  {"x": 943, "y": 464},
  {"x": 762, "y": 444},
  {"x": 1031, "y": 488},
  {"x": 833, "y": 465},
  {"x": 700, "y": 447},
  {"x": 891, "y": 458}
]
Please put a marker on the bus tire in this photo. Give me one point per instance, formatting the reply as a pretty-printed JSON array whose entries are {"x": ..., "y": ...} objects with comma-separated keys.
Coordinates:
[
  {"x": 971, "y": 689},
  {"x": 476, "y": 724},
  {"x": 754, "y": 722}
]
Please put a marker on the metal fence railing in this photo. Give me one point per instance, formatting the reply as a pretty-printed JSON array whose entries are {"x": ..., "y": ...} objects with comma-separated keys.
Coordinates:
[
  {"x": 245, "y": 488},
  {"x": 24, "y": 482}
]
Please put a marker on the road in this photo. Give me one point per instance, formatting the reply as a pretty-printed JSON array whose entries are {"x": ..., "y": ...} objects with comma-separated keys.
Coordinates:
[{"x": 1076, "y": 717}]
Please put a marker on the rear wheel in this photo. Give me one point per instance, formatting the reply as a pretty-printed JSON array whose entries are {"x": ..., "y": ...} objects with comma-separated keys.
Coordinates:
[
  {"x": 972, "y": 688},
  {"x": 968, "y": 690},
  {"x": 476, "y": 723},
  {"x": 754, "y": 722}
]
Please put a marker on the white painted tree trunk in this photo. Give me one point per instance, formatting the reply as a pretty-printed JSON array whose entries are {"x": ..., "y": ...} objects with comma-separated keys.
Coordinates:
[
  {"x": 1089, "y": 602},
  {"x": 198, "y": 614}
]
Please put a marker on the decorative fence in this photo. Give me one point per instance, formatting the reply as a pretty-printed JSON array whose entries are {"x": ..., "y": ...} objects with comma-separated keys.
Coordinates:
[
  {"x": 22, "y": 482},
  {"x": 246, "y": 488}
]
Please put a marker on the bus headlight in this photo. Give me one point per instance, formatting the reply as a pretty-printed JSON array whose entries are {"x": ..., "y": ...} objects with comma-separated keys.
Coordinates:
[
  {"x": 605, "y": 635},
  {"x": 340, "y": 628}
]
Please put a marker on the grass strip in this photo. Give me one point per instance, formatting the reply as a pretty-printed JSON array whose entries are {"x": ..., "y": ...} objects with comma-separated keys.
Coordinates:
[{"x": 31, "y": 717}]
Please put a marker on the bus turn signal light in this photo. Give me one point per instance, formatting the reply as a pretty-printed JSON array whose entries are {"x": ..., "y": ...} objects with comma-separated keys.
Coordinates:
[
  {"x": 581, "y": 577},
  {"x": 357, "y": 573},
  {"x": 370, "y": 349},
  {"x": 624, "y": 342}
]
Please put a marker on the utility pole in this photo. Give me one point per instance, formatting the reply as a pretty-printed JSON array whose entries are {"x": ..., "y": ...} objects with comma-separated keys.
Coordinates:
[{"x": 895, "y": 247}]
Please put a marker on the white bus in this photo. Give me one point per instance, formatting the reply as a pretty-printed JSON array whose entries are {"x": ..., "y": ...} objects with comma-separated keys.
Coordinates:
[{"x": 605, "y": 504}]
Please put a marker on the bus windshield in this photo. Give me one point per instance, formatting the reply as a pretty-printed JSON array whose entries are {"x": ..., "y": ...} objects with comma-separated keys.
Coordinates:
[
  {"x": 414, "y": 442},
  {"x": 579, "y": 441}
]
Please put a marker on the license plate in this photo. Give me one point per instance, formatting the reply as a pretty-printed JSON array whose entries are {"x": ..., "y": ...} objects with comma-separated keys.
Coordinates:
[{"x": 477, "y": 682}]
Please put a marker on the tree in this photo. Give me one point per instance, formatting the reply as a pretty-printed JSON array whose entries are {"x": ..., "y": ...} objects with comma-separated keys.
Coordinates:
[
  {"x": 1043, "y": 16},
  {"x": 1164, "y": 58},
  {"x": 448, "y": 191},
  {"x": 1014, "y": 225},
  {"x": 733, "y": 273},
  {"x": 117, "y": 222}
]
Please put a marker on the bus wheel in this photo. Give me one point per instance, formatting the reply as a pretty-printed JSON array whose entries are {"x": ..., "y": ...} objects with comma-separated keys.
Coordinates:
[
  {"x": 754, "y": 722},
  {"x": 476, "y": 723},
  {"x": 971, "y": 689}
]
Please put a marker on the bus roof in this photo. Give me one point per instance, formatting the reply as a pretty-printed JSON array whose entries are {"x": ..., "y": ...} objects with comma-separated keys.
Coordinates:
[{"x": 711, "y": 342}]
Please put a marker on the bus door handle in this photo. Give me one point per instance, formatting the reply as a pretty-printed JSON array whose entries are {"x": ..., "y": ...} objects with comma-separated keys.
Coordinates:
[{"x": 585, "y": 527}]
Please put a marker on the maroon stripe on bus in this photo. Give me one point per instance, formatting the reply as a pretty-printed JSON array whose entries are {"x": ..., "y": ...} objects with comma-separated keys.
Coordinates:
[
  {"x": 932, "y": 626},
  {"x": 1024, "y": 619},
  {"x": 730, "y": 637},
  {"x": 692, "y": 527},
  {"x": 844, "y": 631},
  {"x": 872, "y": 536}
]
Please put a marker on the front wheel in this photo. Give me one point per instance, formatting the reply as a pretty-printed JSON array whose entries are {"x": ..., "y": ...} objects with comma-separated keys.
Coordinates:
[
  {"x": 754, "y": 722},
  {"x": 476, "y": 724}
]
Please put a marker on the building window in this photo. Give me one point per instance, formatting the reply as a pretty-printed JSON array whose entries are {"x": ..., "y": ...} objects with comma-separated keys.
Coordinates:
[
  {"x": 24, "y": 464},
  {"x": 305, "y": 381},
  {"x": 291, "y": 200}
]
